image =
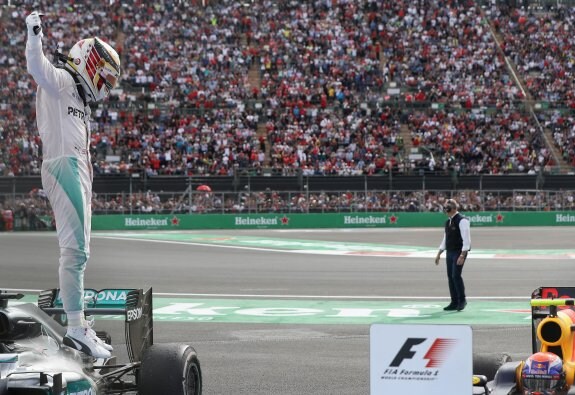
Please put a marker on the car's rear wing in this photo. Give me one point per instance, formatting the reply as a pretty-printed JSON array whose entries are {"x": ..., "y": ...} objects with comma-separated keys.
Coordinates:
[
  {"x": 545, "y": 301},
  {"x": 134, "y": 305},
  {"x": 541, "y": 310}
]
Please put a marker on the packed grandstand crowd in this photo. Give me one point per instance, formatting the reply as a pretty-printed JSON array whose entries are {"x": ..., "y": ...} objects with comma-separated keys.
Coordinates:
[{"x": 338, "y": 87}]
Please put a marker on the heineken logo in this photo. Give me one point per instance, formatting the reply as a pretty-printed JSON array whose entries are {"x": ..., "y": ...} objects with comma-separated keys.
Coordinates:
[
  {"x": 367, "y": 219},
  {"x": 261, "y": 221},
  {"x": 486, "y": 218},
  {"x": 151, "y": 222},
  {"x": 481, "y": 218},
  {"x": 564, "y": 218}
]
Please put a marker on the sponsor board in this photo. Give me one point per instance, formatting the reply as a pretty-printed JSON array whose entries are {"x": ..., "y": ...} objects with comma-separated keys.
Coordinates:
[
  {"x": 421, "y": 359},
  {"x": 324, "y": 220}
]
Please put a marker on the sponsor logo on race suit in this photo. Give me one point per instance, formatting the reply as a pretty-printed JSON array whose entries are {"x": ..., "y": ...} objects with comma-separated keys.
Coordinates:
[{"x": 76, "y": 113}]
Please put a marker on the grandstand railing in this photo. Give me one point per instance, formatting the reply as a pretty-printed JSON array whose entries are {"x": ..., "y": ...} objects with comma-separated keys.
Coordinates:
[{"x": 126, "y": 183}]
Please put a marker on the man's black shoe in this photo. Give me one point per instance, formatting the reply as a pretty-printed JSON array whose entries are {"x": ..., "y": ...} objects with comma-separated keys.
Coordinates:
[
  {"x": 461, "y": 305},
  {"x": 451, "y": 307}
]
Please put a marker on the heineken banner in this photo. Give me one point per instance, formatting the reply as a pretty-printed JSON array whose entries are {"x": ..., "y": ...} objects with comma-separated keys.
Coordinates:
[{"x": 310, "y": 221}]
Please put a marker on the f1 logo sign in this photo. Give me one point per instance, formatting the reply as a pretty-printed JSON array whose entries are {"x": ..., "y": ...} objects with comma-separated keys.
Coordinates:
[
  {"x": 420, "y": 359},
  {"x": 435, "y": 355},
  {"x": 405, "y": 351}
]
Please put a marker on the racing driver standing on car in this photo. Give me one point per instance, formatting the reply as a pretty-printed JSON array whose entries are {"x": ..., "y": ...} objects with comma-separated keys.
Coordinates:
[{"x": 62, "y": 115}]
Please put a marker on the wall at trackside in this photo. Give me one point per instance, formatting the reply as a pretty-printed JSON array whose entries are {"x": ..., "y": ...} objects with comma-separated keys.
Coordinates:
[{"x": 311, "y": 221}]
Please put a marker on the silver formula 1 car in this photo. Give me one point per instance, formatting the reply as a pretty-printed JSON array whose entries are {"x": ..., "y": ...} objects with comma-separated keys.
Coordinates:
[{"x": 34, "y": 360}]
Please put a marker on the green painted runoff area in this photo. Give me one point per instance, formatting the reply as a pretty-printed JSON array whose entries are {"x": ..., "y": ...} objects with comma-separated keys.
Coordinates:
[{"x": 332, "y": 312}]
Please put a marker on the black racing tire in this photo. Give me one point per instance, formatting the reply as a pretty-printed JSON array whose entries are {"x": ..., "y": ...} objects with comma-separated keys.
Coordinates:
[
  {"x": 170, "y": 369},
  {"x": 488, "y": 364}
]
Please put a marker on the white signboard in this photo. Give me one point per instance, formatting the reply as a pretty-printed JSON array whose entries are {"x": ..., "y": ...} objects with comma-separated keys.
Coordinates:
[{"x": 421, "y": 359}]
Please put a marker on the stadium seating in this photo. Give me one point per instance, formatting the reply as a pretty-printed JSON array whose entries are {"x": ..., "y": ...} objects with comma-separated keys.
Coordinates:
[{"x": 342, "y": 87}]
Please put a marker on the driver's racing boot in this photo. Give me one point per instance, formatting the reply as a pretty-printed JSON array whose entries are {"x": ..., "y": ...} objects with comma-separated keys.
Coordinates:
[
  {"x": 84, "y": 339},
  {"x": 90, "y": 324}
]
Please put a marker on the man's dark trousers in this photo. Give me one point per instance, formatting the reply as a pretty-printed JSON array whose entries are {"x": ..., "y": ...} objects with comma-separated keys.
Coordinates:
[{"x": 456, "y": 286}]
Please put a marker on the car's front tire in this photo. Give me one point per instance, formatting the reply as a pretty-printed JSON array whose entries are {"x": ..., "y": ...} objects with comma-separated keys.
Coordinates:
[{"x": 170, "y": 369}]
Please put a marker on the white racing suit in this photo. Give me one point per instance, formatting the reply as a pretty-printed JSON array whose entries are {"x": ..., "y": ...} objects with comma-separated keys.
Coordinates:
[{"x": 63, "y": 123}]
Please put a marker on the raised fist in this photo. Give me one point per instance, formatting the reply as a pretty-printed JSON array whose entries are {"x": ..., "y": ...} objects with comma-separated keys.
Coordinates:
[{"x": 34, "y": 24}]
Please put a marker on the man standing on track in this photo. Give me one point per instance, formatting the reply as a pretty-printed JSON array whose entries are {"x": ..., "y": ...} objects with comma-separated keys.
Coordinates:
[
  {"x": 62, "y": 115},
  {"x": 457, "y": 242}
]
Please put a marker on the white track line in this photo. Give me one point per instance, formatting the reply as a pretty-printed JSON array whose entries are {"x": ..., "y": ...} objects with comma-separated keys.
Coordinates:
[{"x": 192, "y": 243}]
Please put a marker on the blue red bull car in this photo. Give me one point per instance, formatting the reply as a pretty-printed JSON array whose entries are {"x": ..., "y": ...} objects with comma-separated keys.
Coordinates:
[{"x": 550, "y": 370}]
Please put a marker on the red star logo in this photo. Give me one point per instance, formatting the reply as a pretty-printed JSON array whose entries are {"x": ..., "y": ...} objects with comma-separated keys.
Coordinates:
[
  {"x": 499, "y": 217},
  {"x": 393, "y": 219},
  {"x": 175, "y": 221},
  {"x": 285, "y": 220}
]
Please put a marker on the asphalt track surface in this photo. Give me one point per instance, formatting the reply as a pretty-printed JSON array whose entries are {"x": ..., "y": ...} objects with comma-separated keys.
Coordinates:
[{"x": 282, "y": 357}]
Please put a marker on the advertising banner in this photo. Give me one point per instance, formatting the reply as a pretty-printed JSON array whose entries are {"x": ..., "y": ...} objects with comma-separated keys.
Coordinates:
[
  {"x": 323, "y": 220},
  {"x": 421, "y": 359}
]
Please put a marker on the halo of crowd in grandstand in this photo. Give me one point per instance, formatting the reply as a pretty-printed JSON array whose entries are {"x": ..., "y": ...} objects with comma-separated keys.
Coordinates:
[{"x": 322, "y": 87}]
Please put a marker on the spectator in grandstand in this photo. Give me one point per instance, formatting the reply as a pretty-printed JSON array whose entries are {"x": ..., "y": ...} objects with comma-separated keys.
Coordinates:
[
  {"x": 457, "y": 242},
  {"x": 187, "y": 106},
  {"x": 2, "y": 225},
  {"x": 62, "y": 112}
]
